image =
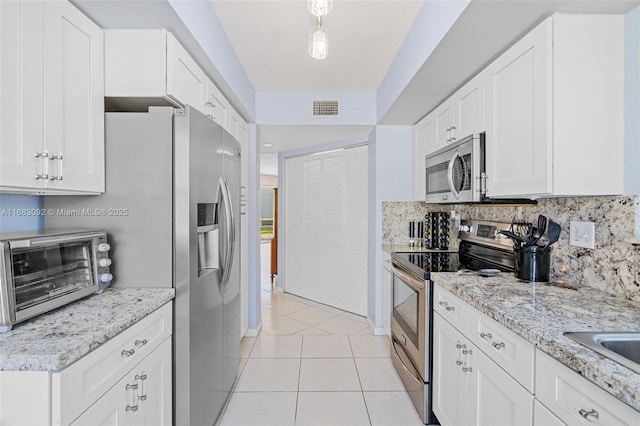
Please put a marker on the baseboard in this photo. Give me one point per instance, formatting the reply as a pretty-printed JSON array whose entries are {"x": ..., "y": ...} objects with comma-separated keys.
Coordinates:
[
  {"x": 253, "y": 332},
  {"x": 376, "y": 331}
]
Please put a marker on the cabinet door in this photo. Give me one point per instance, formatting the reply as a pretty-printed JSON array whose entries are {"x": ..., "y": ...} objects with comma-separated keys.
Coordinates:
[
  {"x": 21, "y": 88},
  {"x": 518, "y": 113},
  {"x": 469, "y": 108},
  {"x": 497, "y": 399},
  {"x": 424, "y": 142},
  {"x": 544, "y": 417},
  {"x": 217, "y": 105},
  {"x": 112, "y": 409},
  {"x": 443, "y": 117},
  {"x": 186, "y": 82},
  {"x": 153, "y": 395},
  {"x": 73, "y": 98},
  {"x": 451, "y": 386}
]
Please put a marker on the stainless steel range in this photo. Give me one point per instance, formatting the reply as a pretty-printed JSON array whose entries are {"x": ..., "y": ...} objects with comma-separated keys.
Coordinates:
[{"x": 482, "y": 248}]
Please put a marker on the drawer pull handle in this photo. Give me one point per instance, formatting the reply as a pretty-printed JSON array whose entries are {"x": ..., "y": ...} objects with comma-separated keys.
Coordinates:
[
  {"x": 458, "y": 362},
  {"x": 133, "y": 386},
  {"x": 142, "y": 397},
  {"x": 461, "y": 346},
  {"x": 486, "y": 336},
  {"x": 467, "y": 352},
  {"x": 498, "y": 345},
  {"x": 450, "y": 308},
  {"x": 467, "y": 369},
  {"x": 584, "y": 413},
  {"x": 131, "y": 408},
  {"x": 141, "y": 377},
  {"x": 141, "y": 342},
  {"x": 441, "y": 303},
  {"x": 127, "y": 353}
]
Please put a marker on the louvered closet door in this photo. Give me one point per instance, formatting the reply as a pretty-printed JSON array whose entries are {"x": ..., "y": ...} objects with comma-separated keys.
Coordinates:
[{"x": 326, "y": 228}]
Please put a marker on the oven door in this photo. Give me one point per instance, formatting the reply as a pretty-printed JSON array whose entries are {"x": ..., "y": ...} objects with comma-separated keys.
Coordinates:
[{"x": 408, "y": 324}]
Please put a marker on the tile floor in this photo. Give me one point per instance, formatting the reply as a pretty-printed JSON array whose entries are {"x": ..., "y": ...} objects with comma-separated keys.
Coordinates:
[{"x": 316, "y": 365}]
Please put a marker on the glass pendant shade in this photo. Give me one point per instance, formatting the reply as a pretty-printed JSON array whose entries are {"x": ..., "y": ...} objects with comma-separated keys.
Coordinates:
[
  {"x": 318, "y": 42},
  {"x": 319, "y": 7}
]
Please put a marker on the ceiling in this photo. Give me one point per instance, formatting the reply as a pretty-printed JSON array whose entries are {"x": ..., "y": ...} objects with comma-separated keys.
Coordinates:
[{"x": 271, "y": 41}]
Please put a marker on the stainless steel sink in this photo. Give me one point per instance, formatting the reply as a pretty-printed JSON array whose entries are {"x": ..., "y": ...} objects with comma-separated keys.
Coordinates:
[{"x": 622, "y": 347}]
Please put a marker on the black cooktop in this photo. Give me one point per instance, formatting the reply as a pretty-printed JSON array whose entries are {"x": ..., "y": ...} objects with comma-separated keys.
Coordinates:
[{"x": 421, "y": 264}]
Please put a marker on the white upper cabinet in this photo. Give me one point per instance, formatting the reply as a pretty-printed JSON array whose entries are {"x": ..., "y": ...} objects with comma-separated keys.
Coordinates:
[
  {"x": 555, "y": 110},
  {"x": 459, "y": 116},
  {"x": 52, "y": 97},
  {"x": 150, "y": 67},
  {"x": 217, "y": 108}
]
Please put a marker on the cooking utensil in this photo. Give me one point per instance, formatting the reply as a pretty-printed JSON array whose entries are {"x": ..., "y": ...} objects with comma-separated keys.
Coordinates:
[
  {"x": 542, "y": 227},
  {"x": 553, "y": 233},
  {"x": 517, "y": 238}
]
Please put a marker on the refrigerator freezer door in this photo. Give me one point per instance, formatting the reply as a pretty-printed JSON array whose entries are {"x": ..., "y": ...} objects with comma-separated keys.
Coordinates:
[{"x": 199, "y": 341}]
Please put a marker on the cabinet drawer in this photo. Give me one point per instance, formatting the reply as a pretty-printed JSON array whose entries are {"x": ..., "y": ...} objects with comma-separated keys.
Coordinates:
[
  {"x": 451, "y": 308},
  {"x": 571, "y": 397},
  {"x": 510, "y": 351},
  {"x": 85, "y": 381}
]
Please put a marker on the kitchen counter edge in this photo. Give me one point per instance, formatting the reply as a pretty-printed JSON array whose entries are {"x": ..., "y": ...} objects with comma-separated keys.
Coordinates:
[
  {"x": 53, "y": 341},
  {"x": 540, "y": 313}
]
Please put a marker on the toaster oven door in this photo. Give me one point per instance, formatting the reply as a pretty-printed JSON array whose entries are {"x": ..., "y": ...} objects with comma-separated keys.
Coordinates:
[{"x": 51, "y": 274}]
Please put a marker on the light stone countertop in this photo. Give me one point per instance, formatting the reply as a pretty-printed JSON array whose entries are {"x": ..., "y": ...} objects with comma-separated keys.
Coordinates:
[
  {"x": 541, "y": 313},
  {"x": 54, "y": 340}
]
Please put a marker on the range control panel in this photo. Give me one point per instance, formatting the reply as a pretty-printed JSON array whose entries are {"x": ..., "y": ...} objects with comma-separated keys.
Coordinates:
[{"x": 486, "y": 233}]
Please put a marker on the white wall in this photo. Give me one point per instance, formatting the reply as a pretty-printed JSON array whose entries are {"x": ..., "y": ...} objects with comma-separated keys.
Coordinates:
[
  {"x": 632, "y": 104},
  {"x": 390, "y": 179}
]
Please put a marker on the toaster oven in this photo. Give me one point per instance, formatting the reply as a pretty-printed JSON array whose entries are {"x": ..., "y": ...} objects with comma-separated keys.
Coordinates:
[{"x": 43, "y": 270}]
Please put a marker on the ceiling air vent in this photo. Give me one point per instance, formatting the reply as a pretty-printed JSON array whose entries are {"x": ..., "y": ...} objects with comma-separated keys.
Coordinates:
[{"x": 325, "y": 108}]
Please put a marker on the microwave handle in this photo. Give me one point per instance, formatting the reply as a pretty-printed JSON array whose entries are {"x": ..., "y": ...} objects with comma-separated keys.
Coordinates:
[
  {"x": 44, "y": 241},
  {"x": 455, "y": 193}
]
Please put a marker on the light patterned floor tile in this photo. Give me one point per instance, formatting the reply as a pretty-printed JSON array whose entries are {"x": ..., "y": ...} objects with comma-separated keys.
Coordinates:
[
  {"x": 331, "y": 408},
  {"x": 354, "y": 317},
  {"x": 311, "y": 315},
  {"x": 246, "y": 345},
  {"x": 311, "y": 331},
  {"x": 277, "y": 347},
  {"x": 283, "y": 326},
  {"x": 341, "y": 325},
  {"x": 269, "y": 314},
  {"x": 378, "y": 374},
  {"x": 370, "y": 346},
  {"x": 269, "y": 375},
  {"x": 337, "y": 374},
  {"x": 285, "y": 306},
  {"x": 391, "y": 409},
  {"x": 261, "y": 409},
  {"x": 330, "y": 346}
]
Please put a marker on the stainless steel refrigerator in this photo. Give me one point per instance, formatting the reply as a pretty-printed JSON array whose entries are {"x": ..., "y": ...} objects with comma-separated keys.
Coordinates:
[{"x": 171, "y": 210}]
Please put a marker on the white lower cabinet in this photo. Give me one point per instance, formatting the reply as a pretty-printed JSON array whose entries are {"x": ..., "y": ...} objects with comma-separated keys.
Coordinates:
[
  {"x": 125, "y": 381},
  {"x": 575, "y": 400},
  {"x": 543, "y": 417},
  {"x": 142, "y": 397},
  {"x": 469, "y": 388}
]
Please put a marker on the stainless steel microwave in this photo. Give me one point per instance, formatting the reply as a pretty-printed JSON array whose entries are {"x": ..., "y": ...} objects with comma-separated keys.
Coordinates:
[
  {"x": 456, "y": 173},
  {"x": 43, "y": 270}
]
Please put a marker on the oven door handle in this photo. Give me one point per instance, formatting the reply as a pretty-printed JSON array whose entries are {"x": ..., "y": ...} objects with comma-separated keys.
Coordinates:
[{"x": 412, "y": 281}]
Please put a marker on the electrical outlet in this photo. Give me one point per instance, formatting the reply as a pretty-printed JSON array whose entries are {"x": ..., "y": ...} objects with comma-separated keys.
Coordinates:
[{"x": 582, "y": 234}]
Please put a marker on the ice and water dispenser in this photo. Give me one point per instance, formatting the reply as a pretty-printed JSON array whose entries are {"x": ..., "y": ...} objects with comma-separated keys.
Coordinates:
[{"x": 208, "y": 237}]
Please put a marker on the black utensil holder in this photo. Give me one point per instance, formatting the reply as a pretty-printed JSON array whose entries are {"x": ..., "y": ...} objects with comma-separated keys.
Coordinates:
[{"x": 533, "y": 263}]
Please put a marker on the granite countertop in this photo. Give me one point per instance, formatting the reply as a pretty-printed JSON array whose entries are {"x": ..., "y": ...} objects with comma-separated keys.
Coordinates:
[
  {"x": 52, "y": 341},
  {"x": 541, "y": 313}
]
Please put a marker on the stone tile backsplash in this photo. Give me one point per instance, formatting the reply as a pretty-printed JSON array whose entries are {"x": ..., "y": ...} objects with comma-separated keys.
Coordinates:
[{"x": 611, "y": 267}]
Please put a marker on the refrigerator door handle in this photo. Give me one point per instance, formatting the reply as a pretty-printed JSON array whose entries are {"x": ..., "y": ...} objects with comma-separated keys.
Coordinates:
[{"x": 226, "y": 252}]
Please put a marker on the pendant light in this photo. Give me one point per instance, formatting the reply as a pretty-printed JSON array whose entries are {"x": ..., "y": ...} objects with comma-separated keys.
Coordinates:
[
  {"x": 319, "y": 7},
  {"x": 318, "y": 41}
]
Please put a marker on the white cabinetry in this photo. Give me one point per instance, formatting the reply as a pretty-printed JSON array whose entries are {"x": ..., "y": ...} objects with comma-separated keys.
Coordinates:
[
  {"x": 241, "y": 128},
  {"x": 470, "y": 388},
  {"x": 52, "y": 99},
  {"x": 541, "y": 93},
  {"x": 575, "y": 400},
  {"x": 142, "y": 397},
  {"x": 127, "y": 380},
  {"x": 460, "y": 115},
  {"x": 150, "y": 67},
  {"x": 217, "y": 108},
  {"x": 474, "y": 386}
]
